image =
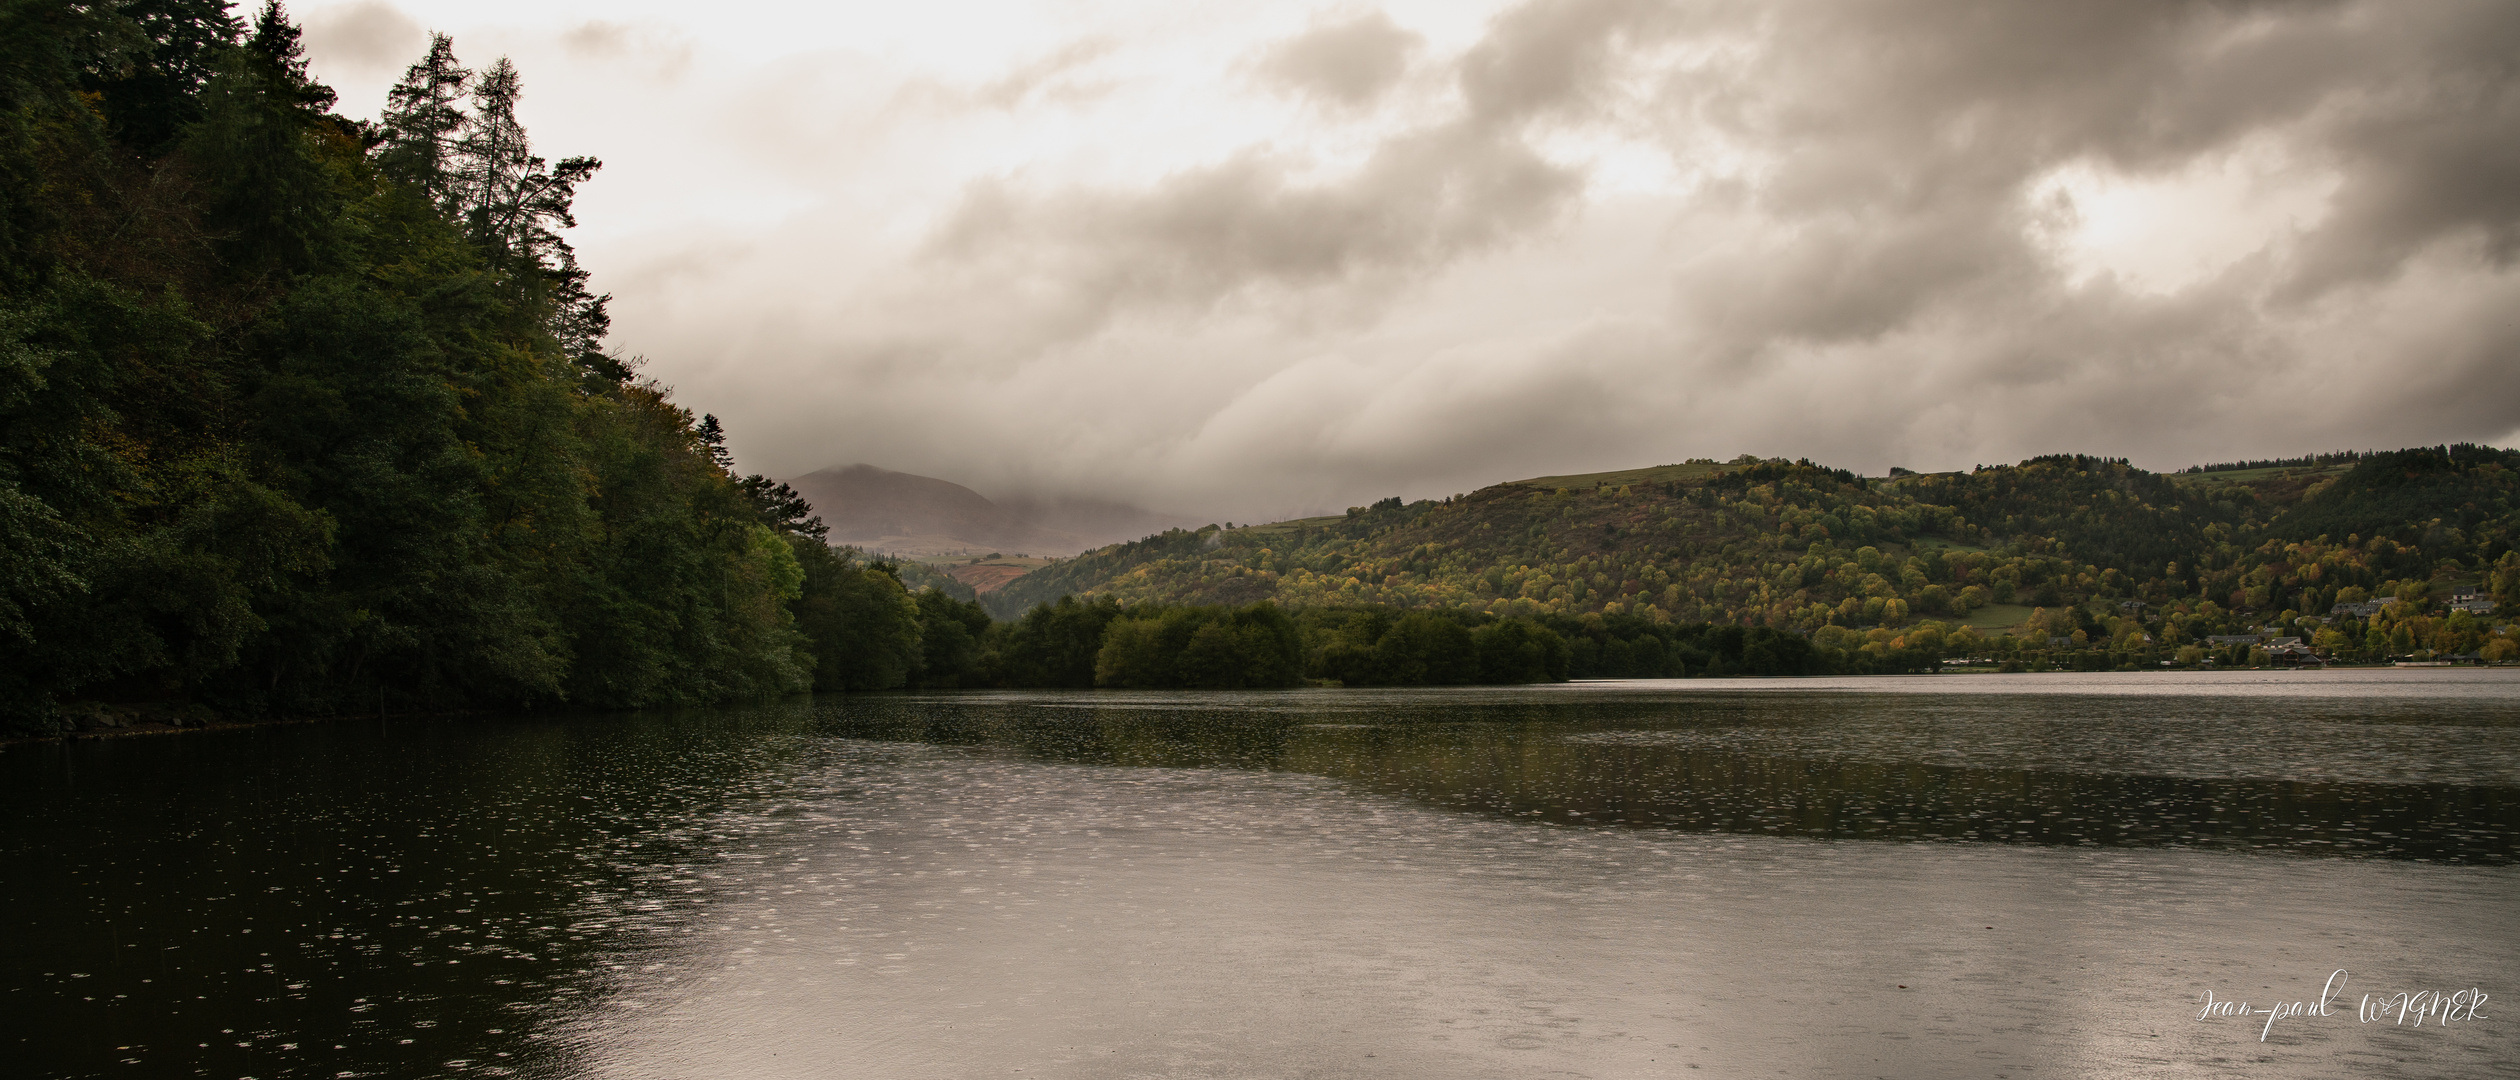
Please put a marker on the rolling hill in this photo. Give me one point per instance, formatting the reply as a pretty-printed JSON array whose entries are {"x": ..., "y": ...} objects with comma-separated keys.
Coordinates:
[{"x": 1796, "y": 545}]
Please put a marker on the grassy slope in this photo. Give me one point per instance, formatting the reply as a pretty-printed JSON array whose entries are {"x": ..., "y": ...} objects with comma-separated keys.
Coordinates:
[{"x": 1659, "y": 474}]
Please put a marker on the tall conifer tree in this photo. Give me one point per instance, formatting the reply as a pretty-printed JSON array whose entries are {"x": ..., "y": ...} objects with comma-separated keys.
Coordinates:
[
  {"x": 513, "y": 203},
  {"x": 152, "y": 96},
  {"x": 425, "y": 124},
  {"x": 271, "y": 200},
  {"x": 496, "y": 154},
  {"x": 513, "y": 200},
  {"x": 276, "y": 42}
]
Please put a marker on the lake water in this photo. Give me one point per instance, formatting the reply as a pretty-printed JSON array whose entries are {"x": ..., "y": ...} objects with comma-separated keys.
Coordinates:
[{"x": 1963, "y": 876}]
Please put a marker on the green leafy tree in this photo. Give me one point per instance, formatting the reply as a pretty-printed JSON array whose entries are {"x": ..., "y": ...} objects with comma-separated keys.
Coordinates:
[
  {"x": 1422, "y": 649},
  {"x": 1212, "y": 647},
  {"x": 952, "y": 634},
  {"x": 1055, "y": 644},
  {"x": 1520, "y": 651},
  {"x": 862, "y": 625}
]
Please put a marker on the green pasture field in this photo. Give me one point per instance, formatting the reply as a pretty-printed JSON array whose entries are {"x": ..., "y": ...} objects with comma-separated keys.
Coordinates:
[
  {"x": 1997, "y": 616},
  {"x": 1947, "y": 547}
]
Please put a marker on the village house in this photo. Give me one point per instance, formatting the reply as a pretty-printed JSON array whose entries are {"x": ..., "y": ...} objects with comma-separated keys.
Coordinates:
[
  {"x": 2364, "y": 610},
  {"x": 2470, "y": 600}
]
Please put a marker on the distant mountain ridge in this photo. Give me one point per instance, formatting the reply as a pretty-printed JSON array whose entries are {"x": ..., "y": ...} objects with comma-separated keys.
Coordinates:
[{"x": 880, "y": 509}]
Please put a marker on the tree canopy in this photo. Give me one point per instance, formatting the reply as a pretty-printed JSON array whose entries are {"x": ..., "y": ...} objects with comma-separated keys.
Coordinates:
[{"x": 304, "y": 415}]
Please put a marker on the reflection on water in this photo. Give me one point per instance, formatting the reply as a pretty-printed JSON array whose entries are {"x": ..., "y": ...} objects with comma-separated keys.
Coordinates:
[
  {"x": 2371, "y": 774},
  {"x": 1604, "y": 879}
]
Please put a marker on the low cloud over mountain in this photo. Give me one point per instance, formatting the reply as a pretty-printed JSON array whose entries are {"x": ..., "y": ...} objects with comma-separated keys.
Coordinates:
[{"x": 882, "y": 510}]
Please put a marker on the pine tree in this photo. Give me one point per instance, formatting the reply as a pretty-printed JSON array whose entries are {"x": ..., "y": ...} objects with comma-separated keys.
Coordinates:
[
  {"x": 275, "y": 42},
  {"x": 425, "y": 124},
  {"x": 495, "y": 153},
  {"x": 781, "y": 508},
  {"x": 580, "y": 319},
  {"x": 713, "y": 436},
  {"x": 151, "y": 98},
  {"x": 511, "y": 199},
  {"x": 513, "y": 203},
  {"x": 259, "y": 147}
]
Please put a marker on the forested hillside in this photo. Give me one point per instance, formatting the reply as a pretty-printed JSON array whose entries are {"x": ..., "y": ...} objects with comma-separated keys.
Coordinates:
[
  {"x": 301, "y": 415},
  {"x": 2056, "y": 555}
]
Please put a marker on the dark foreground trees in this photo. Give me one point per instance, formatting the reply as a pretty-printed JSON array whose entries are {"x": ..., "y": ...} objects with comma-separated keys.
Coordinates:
[{"x": 299, "y": 415}]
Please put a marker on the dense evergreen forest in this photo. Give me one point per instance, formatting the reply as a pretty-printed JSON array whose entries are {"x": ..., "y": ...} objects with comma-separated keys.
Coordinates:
[
  {"x": 2063, "y": 561},
  {"x": 303, "y": 415}
]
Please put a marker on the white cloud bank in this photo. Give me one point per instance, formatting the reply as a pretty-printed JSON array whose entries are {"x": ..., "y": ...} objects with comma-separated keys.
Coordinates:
[{"x": 1251, "y": 260}]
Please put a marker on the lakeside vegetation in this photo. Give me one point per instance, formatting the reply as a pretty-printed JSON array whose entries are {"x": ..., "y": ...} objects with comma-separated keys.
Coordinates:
[{"x": 302, "y": 415}]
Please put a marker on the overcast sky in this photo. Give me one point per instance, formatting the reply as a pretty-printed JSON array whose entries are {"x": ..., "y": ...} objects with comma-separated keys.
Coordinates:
[{"x": 1249, "y": 260}]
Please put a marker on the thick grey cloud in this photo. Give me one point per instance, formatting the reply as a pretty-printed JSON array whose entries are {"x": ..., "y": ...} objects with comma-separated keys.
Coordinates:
[
  {"x": 1554, "y": 54},
  {"x": 1889, "y": 115},
  {"x": 1347, "y": 63},
  {"x": 1418, "y": 202},
  {"x": 1371, "y": 254},
  {"x": 1899, "y": 138},
  {"x": 365, "y": 35}
]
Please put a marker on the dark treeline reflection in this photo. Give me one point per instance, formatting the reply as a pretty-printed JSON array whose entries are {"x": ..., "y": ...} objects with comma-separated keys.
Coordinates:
[
  {"x": 377, "y": 899},
  {"x": 2254, "y": 774}
]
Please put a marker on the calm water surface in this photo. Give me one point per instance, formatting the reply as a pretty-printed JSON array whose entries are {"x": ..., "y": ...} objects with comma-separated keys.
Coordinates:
[{"x": 1998, "y": 876}]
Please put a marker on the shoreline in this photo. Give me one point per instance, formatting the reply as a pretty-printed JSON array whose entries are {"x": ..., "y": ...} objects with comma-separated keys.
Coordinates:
[
  {"x": 163, "y": 727},
  {"x": 154, "y": 727}
]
